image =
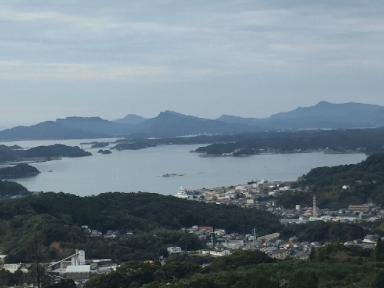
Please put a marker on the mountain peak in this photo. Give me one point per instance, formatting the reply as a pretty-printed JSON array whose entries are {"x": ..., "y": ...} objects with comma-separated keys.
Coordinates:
[
  {"x": 131, "y": 119},
  {"x": 324, "y": 103},
  {"x": 173, "y": 114}
]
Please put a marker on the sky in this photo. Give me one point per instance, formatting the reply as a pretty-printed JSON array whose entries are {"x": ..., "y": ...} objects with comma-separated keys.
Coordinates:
[{"x": 242, "y": 57}]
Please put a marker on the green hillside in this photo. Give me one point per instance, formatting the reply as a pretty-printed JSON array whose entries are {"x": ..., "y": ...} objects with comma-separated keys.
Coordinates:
[
  {"x": 340, "y": 186},
  {"x": 55, "y": 218}
]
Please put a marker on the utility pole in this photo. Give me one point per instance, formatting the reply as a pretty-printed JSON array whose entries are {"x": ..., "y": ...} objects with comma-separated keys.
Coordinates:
[
  {"x": 36, "y": 248},
  {"x": 254, "y": 237},
  {"x": 38, "y": 278}
]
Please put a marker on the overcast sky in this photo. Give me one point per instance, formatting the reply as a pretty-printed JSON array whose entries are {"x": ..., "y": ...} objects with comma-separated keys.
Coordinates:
[{"x": 243, "y": 57}]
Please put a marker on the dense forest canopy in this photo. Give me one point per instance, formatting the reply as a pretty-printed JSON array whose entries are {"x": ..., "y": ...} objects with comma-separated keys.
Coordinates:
[
  {"x": 340, "y": 186},
  {"x": 139, "y": 211},
  {"x": 16, "y": 153},
  {"x": 20, "y": 170},
  {"x": 12, "y": 189},
  {"x": 57, "y": 217},
  {"x": 331, "y": 266}
]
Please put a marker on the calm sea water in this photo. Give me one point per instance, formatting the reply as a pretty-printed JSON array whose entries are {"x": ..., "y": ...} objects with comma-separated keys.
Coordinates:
[{"x": 142, "y": 170}]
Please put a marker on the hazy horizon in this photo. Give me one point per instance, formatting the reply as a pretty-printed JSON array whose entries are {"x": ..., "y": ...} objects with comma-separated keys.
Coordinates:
[
  {"x": 167, "y": 110},
  {"x": 243, "y": 57}
]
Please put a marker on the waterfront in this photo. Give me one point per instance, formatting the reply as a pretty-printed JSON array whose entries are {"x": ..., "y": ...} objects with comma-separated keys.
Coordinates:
[{"x": 142, "y": 170}]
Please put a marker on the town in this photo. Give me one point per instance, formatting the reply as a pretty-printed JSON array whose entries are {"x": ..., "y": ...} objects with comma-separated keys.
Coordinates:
[
  {"x": 260, "y": 194},
  {"x": 217, "y": 241}
]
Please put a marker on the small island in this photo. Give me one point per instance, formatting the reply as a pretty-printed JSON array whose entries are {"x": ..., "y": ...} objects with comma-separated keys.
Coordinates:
[
  {"x": 99, "y": 144},
  {"x": 55, "y": 151},
  {"x": 135, "y": 145},
  {"x": 104, "y": 151},
  {"x": 18, "y": 171},
  {"x": 168, "y": 175},
  {"x": 40, "y": 153}
]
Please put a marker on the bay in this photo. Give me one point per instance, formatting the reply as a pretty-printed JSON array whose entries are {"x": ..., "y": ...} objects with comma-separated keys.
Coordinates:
[{"x": 143, "y": 170}]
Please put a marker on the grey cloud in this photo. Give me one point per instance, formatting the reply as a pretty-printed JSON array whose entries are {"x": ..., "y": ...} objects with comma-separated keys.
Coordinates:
[{"x": 172, "y": 52}]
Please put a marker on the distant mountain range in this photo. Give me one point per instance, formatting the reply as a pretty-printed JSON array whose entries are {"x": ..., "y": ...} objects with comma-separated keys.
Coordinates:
[{"x": 324, "y": 115}]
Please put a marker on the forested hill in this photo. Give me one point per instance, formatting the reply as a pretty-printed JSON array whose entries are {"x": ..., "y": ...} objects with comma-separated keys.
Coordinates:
[
  {"x": 354, "y": 140},
  {"x": 11, "y": 190},
  {"x": 348, "y": 184},
  {"x": 139, "y": 211},
  {"x": 16, "y": 153},
  {"x": 57, "y": 217}
]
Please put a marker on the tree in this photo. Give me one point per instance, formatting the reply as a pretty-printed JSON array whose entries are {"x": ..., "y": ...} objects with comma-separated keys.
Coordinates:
[
  {"x": 379, "y": 250},
  {"x": 378, "y": 282},
  {"x": 67, "y": 283},
  {"x": 304, "y": 279}
]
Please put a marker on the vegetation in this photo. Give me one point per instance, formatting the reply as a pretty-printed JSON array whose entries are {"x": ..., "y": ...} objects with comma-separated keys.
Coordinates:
[
  {"x": 66, "y": 283},
  {"x": 354, "y": 140},
  {"x": 139, "y": 142},
  {"x": 331, "y": 141},
  {"x": 340, "y": 253},
  {"x": 135, "y": 274},
  {"x": 104, "y": 151},
  {"x": 98, "y": 144},
  {"x": 54, "y": 151},
  {"x": 20, "y": 279},
  {"x": 325, "y": 232},
  {"x": 7, "y": 153},
  {"x": 54, "y": 219},
  {"x": 140, "y": 246},
  {"x": 340, "y": 186},
  {"x": 12, "y": 189},
  {"x": 135, "y": 145},
  {"x": 10, "y": 154},
  {"x": 252, "y": 269},
  {"x": 18, "y": 171}
]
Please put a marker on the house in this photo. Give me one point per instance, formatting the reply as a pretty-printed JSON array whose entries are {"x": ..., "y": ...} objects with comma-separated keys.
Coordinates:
[
  {"x": 364, "y": 208},
  {"x": 216, "y": 253},
  {"x": 95, "y": 233},
  {"x": 234, "y": 244},
  {"x": 280, "y": 254},
  {"x": 220, "y": 253},
  {"x": 205, "y": 229},
  {"x": 174, "y": 250},
  {"x": 220, "y": 232},
  {"x": 269, "y": 237},
  {"x": 13, "y": 268},
  {"x": 110, "y": 234}
]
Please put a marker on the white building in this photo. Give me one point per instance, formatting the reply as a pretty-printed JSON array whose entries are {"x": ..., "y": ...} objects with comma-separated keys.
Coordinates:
[
  {"x": 182, "y": 193},
  {"x": 234, "y": 244},
  {"x": 2, "y": 258},
  {"x": 174, "y": 250},
  {"x": 13, "y": 268},
  {"x": 77, "y": 272}
]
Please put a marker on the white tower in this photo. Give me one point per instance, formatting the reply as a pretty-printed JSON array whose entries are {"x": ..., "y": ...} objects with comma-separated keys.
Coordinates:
[
  {"x": 314, "y": 208},
  {"x": 78, "y": 258}
]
